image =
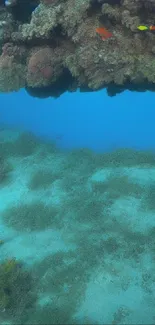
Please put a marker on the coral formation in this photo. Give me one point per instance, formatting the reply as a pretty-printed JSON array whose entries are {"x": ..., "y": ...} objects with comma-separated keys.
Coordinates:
[
  {"x": 15, "y": 289},
  {"x": 55, "y": 36}
]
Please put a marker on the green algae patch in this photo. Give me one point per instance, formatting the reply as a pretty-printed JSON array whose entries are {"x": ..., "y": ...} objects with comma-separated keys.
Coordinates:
[
  {"x": 125, "y": 158},
  {"x": 149, "y": 198},
  {"x": 25, "y": 145},
  {"x": 117, "y": 186},
  {"x": 42, "y": 179},
  {"x": 5, "y": 170},
  {"x": 30, "y": 217},
  {"x": 65, "y": 277}
]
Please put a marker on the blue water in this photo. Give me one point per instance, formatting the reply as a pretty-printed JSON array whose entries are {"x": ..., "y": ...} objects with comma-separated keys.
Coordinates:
[
  {"x": 92, "y": 120},
  {"x": 81, "y": 224}
]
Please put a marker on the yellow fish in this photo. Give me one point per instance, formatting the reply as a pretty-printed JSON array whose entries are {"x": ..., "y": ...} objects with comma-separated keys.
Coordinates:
[{"x": 142, "y": 27}]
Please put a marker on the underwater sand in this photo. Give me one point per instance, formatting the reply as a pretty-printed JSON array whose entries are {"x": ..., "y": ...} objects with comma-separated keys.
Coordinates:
[{"x": 84, "y": 226}]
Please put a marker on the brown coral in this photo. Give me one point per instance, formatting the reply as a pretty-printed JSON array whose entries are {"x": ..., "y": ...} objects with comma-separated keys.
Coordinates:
[
  {"x": 11, "y": 74},
  {"x": 42, "y": 68}
]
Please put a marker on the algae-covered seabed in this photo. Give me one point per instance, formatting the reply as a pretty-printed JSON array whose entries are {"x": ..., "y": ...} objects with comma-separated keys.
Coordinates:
[{"x": 83, "y": 225}]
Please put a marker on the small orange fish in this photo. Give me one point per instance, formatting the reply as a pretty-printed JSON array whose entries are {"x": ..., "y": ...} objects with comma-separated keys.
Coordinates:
[
  {"x": 104, "y": 33},
  {"x": 152, "y": 27}
]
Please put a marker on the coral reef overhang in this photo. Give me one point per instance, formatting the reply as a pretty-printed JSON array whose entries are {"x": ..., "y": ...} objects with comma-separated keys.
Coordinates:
[{"x": 54, "y": 46}]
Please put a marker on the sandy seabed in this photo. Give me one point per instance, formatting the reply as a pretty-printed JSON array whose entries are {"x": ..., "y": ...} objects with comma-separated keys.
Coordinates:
[{"x": 83, "y": 225}]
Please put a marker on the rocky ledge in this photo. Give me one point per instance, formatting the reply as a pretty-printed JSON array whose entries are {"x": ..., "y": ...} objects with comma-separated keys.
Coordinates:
[{"x": 50, "y": 46}]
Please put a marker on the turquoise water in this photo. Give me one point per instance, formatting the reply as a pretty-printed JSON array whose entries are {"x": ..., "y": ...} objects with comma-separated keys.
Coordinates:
[{"x": 77, "y": 209}]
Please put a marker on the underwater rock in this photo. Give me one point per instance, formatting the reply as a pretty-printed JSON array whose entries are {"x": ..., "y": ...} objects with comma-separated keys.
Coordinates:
[{"x": 97, "y": 42}]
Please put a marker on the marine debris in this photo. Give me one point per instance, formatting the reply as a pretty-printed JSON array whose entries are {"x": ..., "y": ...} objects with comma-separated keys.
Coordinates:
[{"x": 49, "y": 46}]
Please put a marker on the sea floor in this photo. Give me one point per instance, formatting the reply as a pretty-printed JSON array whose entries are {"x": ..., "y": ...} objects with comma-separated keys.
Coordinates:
[{"x": 82, "y": 225}]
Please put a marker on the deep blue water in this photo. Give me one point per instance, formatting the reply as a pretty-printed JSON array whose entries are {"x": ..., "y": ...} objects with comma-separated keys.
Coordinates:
[{"x": 92, "y": 120}]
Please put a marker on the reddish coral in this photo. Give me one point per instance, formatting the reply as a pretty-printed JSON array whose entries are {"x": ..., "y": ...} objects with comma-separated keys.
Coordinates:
[{"x": 40, "y": 68}]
